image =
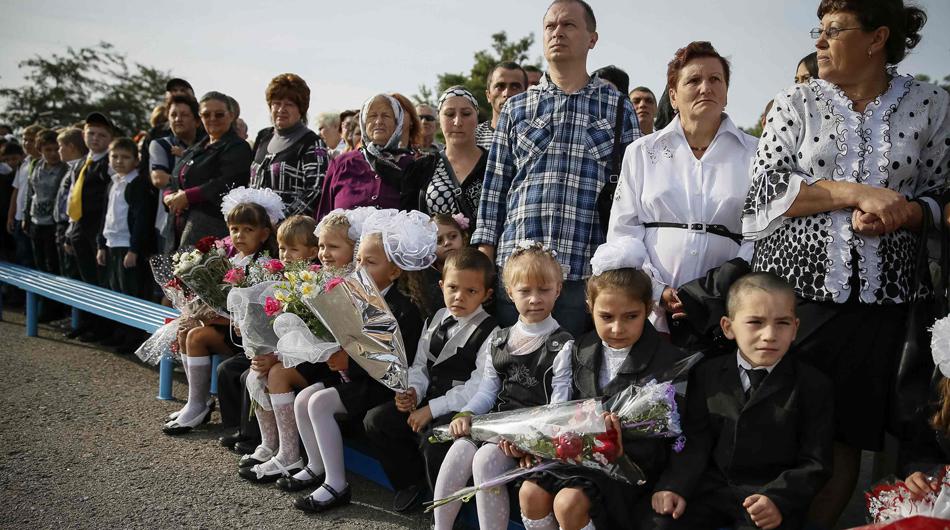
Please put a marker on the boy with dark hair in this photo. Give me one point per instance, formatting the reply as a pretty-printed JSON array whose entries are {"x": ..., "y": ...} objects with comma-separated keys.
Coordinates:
[
  {"x": 759, "y": 426},
  {"x": 11, "y": 155},
  {"x": 445, "y": 374},
  {"x": 126, "y": 230},
  {"x": 85, "y": 207},
  {"x": 72, "y": 149},
  {"x": 42, "y": 185}
]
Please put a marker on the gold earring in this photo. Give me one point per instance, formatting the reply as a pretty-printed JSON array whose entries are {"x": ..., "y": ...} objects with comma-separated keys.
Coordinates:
[{"x": 869, "y": 52}]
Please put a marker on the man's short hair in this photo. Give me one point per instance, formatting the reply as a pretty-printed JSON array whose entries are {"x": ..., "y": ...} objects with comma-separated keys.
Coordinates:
[
  {"x": 507, "y": 65},
  {"x": 763, "y": 281},
  {"x": 124, "y": 144},
  {"x": 588, "y": 12},
  {"x": 185, "y": 100},
  {"x": 11, "y": 149},
  {"x": 615, "y": 76},
  {"x": 642, "y": 89}
]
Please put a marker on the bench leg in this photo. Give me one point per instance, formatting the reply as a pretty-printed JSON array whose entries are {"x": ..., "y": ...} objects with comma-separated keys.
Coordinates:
[
  {"x": 75, "y": 320},
  {"x": 215, "y": 361},
  {"x": 165, "y": 368},
  {"x": 32, "y": 314}
]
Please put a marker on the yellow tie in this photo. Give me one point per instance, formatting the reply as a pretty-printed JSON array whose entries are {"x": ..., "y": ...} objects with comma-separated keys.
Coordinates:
[{"x": 74, "y": 206}]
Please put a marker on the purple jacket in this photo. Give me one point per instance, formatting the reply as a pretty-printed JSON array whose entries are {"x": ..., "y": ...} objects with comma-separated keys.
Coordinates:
[{"x": 351, "y": 182}]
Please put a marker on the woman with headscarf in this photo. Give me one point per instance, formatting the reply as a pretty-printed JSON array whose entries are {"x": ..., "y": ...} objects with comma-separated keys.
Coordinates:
[
  {"x": 450, "y": 182},
  {"x": 373, "y": 174}
]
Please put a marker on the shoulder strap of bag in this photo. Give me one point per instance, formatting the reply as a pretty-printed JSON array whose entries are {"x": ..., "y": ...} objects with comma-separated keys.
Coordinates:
[{"x": 618, "y": 144}]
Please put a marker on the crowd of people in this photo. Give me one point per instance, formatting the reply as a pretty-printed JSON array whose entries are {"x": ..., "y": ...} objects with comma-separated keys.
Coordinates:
[{"x": 583, "y": 238}]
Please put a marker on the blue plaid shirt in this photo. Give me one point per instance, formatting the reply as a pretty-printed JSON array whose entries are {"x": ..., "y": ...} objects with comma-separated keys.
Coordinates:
[{"x": 552, "y": 154}]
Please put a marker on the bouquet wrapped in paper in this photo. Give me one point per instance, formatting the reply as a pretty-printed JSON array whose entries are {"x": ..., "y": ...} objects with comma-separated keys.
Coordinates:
[
  {"x": 164, "y": 341},
  {"x": 893, "y": 501},
  {"x": 203, "y": 270},
  {"x": 251, "y": 287},
  {"x": 575, "y": 433},
  {"x": 301, "y": 336},
  {"x": 356, "y": 314}
]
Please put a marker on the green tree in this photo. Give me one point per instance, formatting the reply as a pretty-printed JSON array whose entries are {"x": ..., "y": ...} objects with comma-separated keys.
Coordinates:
[
  {"x": 63, "y": 89},
  {"x": 476, "y": 79}
]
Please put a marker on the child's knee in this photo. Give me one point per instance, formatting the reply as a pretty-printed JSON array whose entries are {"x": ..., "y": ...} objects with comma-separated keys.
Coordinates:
[
  {"x": 571, "y": 504},
  {"x": 535, "y": 501},
  {"x": 197, "y": 336}
]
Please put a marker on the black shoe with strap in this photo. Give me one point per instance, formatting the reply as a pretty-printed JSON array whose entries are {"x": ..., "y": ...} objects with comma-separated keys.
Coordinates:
[
  {"x": 291, "y": 484},
  {"x": 407, "y": 498},
  {"x": 309, "y": 504}
]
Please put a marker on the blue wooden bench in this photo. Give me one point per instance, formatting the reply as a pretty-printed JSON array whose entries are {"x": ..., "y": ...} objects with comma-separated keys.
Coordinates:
[{"x": 81, "y": 296}]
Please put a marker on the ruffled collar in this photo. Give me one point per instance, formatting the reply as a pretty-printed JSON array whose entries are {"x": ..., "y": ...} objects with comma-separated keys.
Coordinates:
[{"x": 545, "y": 327}]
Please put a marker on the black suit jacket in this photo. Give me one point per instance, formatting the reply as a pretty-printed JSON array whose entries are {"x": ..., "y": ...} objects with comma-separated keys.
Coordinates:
[
  {"x": 778, "y": 444},
  {"x": 142, "y": 199},
  {"x": 95, "y": 197}
]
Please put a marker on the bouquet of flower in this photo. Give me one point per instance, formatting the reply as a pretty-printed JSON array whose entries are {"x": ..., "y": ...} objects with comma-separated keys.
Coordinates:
[
  {"x": 251, "y": 286},
  {"x": 575, "y": 433},
  {"x": 892, "y": 500},
  {"x": 302, "y": 337},
  {"x": 203, "y": 269},
  {"x": 355, "y": 312}
]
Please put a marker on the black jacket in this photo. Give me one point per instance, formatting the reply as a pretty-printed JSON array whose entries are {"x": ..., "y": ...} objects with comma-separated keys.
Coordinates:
[
  {"x": 214, "y": 169},
  {"x": 142, "y": 199},
  {"x": 95, "y": 197},
  {"x": 777, "y": 444}
]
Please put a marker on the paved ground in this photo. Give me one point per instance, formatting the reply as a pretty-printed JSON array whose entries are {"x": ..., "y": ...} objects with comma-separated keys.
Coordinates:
[{"x": 81, "y": 447}]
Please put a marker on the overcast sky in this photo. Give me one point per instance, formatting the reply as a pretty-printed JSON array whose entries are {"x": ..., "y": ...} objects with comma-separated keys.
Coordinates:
[{"x": 348, "y": 50}]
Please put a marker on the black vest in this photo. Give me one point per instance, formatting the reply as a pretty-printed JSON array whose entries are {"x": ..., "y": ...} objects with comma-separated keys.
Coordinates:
[
  {"x": 651, "y": 357},
  {"x": 458, "y": 367},
  {"x": 526, "y": 379}
]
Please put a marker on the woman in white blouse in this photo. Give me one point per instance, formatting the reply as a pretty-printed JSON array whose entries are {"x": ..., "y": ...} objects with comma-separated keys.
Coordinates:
[
  {"x": 681, "y": 188},
  {"x": 847, "y": 167}
]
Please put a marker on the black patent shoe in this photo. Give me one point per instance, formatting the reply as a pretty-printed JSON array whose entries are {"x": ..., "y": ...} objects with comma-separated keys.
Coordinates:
[
  {"x": 291, "y": 484},
  {"x": 176, "y": 426},
  {"x": 229, "y": 440},
  {"x": 269, "y": 471},
  {"x": 407, "y": 498},
  {"x": 246, "y": 447},
  {"x": 309, "y": 504}
]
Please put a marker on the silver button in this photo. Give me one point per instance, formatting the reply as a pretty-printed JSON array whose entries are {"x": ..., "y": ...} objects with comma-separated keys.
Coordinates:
[{"x": 374, "y": 197}]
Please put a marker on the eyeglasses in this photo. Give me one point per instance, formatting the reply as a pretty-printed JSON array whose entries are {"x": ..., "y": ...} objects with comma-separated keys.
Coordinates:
[
  {"x": 216, "y": 115},
  {"x": 830, "y": 33},
  {"x": 426, "y": 117}
]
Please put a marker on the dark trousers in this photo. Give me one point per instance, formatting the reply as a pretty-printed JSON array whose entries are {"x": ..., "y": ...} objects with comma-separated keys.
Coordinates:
[
  {"x": 120, "y": 278},
  {"x": 570, "y": 310},
  {"x": 67, "y": 262},
  {"x": 43, "y": 239},
  {"x": 231, "y": 390},
  {"x": 85, "y": 248},
  {"x": 24, "y": 247},
  {"x": 407, "y": 457}
]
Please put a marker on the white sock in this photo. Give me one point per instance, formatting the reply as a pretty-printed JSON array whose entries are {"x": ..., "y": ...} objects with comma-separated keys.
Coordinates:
[
  {"x": 548, "y": 522},
  {"x": 453, "y": 475},
  {"x": 199, "y": 389},
  {"x": 589, "y": 525},
  {"x": 493, "y": 507},
  {"x": 323, "y": 405},
  {"x": 305, "y": 431},
  {"x": 286, "y": 428},
  {"x": 268, "y": 425}
]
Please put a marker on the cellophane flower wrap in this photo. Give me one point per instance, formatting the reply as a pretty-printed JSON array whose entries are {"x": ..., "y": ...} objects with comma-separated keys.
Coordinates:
[
  {"x": 302, "y": 336},
  {"x": 892, "y": 500},
  {"x": 164, "y": 341},
  {"x": 574, "y": 432},
  {"x": 355, "y": 312},
  {"x": 203, "y": 270}
]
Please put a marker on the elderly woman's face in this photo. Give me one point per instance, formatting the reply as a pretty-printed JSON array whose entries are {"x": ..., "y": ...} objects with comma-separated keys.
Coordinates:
[
  {"x": 841, "y": 58},
  {"x": 284, "y": 113},
  {"x": 215, "y": 117},
  {"x": 458, "y": 119},
  {"x": 701, "y": 90},
  {"x": 380, "y": 122}
]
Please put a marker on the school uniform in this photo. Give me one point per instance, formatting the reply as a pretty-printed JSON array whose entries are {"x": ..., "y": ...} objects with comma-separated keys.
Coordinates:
[
  {"x": 127, "y": 227},
  {"x": 599, "y": 370},
  {"x": 774, "y": 440},
  {"x": 360, "y": 392},
  {"x": 446, "y": 371},
  {"x": 89, "y": 187},
  {"x": 41, "y": 190}
]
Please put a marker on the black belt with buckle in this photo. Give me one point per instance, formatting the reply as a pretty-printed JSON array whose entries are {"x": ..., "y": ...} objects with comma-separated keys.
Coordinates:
[{"x": 718, "y": 230}]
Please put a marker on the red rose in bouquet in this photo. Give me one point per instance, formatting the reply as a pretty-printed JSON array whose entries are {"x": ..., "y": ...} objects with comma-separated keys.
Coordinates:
[{"x": 204, "y": 244}]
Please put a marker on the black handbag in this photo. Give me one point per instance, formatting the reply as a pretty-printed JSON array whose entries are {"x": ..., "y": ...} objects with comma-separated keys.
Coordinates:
[{"x": 914, "y": 367}]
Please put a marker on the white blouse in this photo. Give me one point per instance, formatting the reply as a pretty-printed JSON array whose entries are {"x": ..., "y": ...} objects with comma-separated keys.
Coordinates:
[
  {"x": 613, "y": 360},
  {"x": 490, "y": 385},
  {"x": 661, "y": 181},
  {"x": 901, "y": 141}
]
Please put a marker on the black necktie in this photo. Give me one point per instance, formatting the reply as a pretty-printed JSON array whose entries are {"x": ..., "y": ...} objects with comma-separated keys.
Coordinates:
[
  {"x": 439, "y": 337},
  {"x": 756, "y": 376}
]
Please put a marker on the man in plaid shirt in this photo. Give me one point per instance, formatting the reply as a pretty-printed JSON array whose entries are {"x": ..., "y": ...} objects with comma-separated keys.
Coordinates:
[{"x": 553, "y": 157}]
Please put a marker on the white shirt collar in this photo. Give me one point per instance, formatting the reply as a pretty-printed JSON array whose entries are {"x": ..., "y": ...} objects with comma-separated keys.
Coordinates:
[
  {"x": 128, "y": 177},
  {"x": 614, "y": 352},
  {"x": 544, "y": 327},
  {"x": 97, "y": 156},
  {"x": 463, "y": 320},
  {"x": 746, "y": 365},
  {"x": 675, "y": 127}
]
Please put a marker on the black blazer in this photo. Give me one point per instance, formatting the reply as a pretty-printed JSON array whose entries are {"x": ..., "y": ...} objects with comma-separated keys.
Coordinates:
[
  {"x": 142, "y": 199},
  {"x": 778, "y": 444},
  {"x": 649, "y": 358},
  {"x": 95, "y": 196},
  {"x": 214, "y": 169}
]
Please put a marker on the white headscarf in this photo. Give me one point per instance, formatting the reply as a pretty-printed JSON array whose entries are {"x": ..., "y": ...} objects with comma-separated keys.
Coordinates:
[{"x": 393, "y": 142}]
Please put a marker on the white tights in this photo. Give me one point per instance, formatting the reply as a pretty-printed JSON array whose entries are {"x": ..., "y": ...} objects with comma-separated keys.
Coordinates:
[
  {"x": 462, "y": 462},
  {"x": 314, "y": 408}
]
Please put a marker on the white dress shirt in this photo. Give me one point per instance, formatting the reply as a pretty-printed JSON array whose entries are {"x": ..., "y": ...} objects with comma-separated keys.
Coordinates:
[
  {"x": 662, "y": 181},
  {"x": 613, "y": 360},
  {"x": 745, "y": 365},
  {"x": 490, "y": 385},
  {"x": 455, "y": 399},
  {"x": 116, "y": 227}
]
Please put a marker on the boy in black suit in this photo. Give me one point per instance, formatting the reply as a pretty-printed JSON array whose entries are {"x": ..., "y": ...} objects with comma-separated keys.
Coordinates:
[{"x": 758, "y": 426}]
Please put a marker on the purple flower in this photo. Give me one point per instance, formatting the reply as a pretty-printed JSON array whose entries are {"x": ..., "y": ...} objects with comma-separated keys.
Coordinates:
[{"x": 679, "y": 444}]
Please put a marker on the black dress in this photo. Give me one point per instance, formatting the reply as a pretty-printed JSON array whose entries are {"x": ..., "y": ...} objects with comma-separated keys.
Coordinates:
[{"x": 613, "y": 503}]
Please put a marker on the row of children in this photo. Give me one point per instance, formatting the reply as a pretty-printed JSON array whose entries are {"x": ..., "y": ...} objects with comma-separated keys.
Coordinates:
[
  {"x": 758, "y": 425},
  {"x": 83, "y": 211}
]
